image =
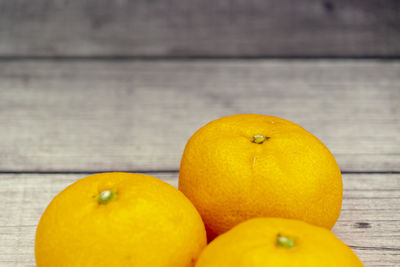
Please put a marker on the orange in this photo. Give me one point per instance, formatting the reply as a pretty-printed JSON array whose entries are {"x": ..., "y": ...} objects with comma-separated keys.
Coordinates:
[
  {"x": 119, "y": 219},
  {"x": 265, "y": 242},
  {"x": 244, "y": 166}
]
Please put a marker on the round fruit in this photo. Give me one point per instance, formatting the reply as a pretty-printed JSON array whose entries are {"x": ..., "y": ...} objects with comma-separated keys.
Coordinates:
[
  {"x": 244, "y": 166},
  {"x": 119, "y": 219},
  {"x": 264, "y": 242}
]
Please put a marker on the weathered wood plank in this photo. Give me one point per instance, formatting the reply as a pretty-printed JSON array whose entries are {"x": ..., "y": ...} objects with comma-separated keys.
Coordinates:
[
  {"x": 369, "y": 222},
  {"x": 93, "y": 116},
  {"x": 202, "y": 28}
]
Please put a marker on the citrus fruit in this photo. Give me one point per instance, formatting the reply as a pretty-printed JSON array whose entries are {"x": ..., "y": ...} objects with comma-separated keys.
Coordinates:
[
  {"x": 244, "y": 166},
  {"x": 119, "y": 219},
  {"x": 264, "y": 242}
]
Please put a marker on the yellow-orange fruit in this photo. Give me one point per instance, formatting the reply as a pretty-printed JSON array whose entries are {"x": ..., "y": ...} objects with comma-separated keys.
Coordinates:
[
  {"x": 244, "y": 166},
  {"x": 119, "y": 219},
  {"x": 272, "y": 242}
]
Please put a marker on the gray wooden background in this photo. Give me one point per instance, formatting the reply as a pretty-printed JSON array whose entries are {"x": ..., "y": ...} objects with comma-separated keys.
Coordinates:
[
  {"x": 91, "y": 86},
  {"x": 354, "y": 28}
]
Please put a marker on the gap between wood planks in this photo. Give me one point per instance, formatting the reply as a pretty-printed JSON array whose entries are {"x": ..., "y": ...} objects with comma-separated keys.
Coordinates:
[
  {"x": 154, "y": 171},
  {"x": 191, "y": 58}
]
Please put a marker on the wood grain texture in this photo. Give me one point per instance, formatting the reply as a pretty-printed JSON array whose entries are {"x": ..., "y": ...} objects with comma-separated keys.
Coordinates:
[
  {"x": 94, "y": 116},
  {"x": 200, "y": 28},
  {"x": 369, "y": 221}
]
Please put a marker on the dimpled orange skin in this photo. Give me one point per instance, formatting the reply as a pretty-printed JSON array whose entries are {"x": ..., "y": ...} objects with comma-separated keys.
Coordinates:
[
  {"x": 230, "y": 179},
  {"x": 254, "y": 243},
  {"x": 149, "y": 223}
]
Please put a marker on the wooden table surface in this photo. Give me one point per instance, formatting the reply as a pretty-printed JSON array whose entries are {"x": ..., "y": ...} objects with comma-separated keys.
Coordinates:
[{"x": 61, "y": 120}]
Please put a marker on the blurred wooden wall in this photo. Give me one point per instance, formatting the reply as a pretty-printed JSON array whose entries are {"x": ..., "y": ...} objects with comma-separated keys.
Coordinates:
[{"x": 210, "y": 28}]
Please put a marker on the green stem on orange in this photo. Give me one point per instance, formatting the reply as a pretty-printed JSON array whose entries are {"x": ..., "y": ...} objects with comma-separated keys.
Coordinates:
[
  {"x": 284, "y": 241},
  {"x": 259, "y": 139},
  {"x": 106, "y": 196}
]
